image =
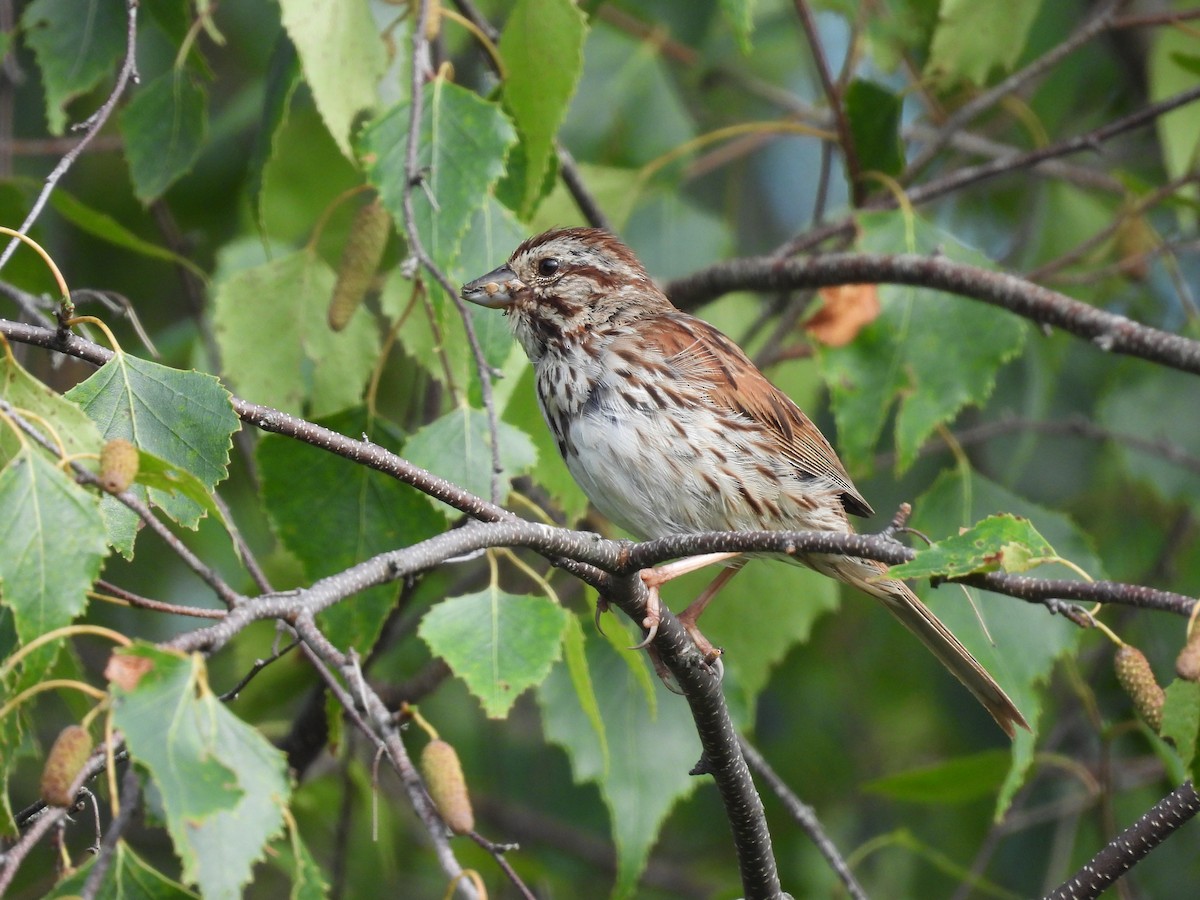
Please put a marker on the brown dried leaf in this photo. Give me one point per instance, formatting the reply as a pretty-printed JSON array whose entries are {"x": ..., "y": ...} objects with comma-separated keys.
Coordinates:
[
  {"x": 845, "y": 311},
  {"x": 126, "y": 671}
]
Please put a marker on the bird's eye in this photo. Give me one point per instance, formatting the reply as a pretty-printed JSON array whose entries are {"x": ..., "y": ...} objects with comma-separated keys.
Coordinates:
[{"x": 548, "y": 266}]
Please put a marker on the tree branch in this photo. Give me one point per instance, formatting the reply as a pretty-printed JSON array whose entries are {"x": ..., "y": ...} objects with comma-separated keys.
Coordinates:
[
  {"x": 90, "y": 127},
  {"x": 1131, "y": 846},
  {"x": 1108, "y": 331}
]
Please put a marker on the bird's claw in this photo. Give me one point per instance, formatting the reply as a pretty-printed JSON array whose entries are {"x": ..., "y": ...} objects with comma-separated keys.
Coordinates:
[
  {"x": 651, "y": 634},
  {"x": 653, "y": 610},
  {"x": 601, "y": 609}
]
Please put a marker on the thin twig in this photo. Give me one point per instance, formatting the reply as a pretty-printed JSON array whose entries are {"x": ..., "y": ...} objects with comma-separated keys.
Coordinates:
[
  {"x": 207, "y": 573},
  {"x": 805, "y": 817},
  {"x": 131, "y": 792},
  {"x": 964, "y": 177},
  {"x": 1096, "y": 25},
  {"x": 833, "y": 98},
  {"x": 412, "y": 179},
  {"x": 90, "y": 127}
]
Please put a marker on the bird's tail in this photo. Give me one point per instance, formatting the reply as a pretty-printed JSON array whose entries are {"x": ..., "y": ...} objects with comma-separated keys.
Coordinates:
[{"x": 920, "y": 620}]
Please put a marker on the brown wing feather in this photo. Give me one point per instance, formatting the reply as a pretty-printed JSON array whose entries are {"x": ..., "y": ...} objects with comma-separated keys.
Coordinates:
[{"x": 699, "y": 353}]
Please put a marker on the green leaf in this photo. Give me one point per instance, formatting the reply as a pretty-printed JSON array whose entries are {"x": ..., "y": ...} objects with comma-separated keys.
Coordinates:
[
  {"x": 308, "y": 881},
  {"x": 650, "y": 754},
  {"x": 1022, "y": 642},
  {"x": 434, "y": 334},
  {"x": 343, "y": 57},
  {"x": 786, "y": 602},
  {"x": 52, "y": 541},
  {"x": 1169, "y": 74},
  {"x": 542, "y": 49},
  {"x": 282, "y": 79},
  {"x": 76, "y": 44},
  {"x": 363, "y": 513},
  {"x": 461, "y": 149},
  {"x": 574, "y": 646},
  {"x": 498, "y": 643},
  {"x": 1159, "y": 407},
  {"x": 914, "y": 354},
  {"x": 105, "y": 227},
  {"x": 164, "y": 127},
  {"x": 184, "y": 418},
  {"x": 1005, "y": 543},
  {"x": 1187, "y": 61},
  {"x": 57, "y": 418},
  {"x": 223, "y": 785},
  {"x": 974, "y": 38},
  {"x": 959, "y": 780},
  {"x": 1181, "y": 719},
  {"x": 874, "y": 115},
  {"x": 128, "y": 877},
  {"x": 304, "y": 367},
  {"x": 458, "y": 446},
  {"x": 171, "y": 480},
  {"x": 740, "y": 15},
  {"x": 616, "y": 191}
]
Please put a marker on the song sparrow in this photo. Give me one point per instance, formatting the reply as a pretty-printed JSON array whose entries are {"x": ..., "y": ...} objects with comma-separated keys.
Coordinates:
[{"x": 670, "y": 429}]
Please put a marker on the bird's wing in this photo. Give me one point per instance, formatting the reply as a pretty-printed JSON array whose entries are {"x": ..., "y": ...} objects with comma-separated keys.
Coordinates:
[{"x": 698, "y": 354}]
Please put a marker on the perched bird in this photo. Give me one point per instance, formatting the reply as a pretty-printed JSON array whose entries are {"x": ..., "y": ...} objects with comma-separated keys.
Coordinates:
[{"x": 670, "y": 429}]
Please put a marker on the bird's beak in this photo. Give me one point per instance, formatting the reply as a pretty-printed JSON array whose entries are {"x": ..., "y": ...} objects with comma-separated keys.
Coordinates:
[{"x": 495, "y": 290}]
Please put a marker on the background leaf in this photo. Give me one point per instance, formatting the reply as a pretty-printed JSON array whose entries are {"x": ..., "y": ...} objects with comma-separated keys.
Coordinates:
[
  {"x": 164, "y": 128},
  {"x": 223, "y": 785},
  {"x": 343, "y": 58},
  {"x": 500, "y": 644},
  {"x": 304, "y": 367}
]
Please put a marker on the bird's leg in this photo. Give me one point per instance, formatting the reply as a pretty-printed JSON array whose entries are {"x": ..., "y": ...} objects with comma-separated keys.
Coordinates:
[
  {"x": 688, "y": 617},
  {"x": 660, "y": 575}
]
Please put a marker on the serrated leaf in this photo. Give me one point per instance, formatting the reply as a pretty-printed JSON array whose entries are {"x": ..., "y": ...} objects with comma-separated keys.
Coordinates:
[
  {"x": 164, "y": 127},
  {"x": 76, "y": 44},
  {"x": 223, "y": 786},
  {"x": 1004, "y": 543},
  {"x": 649, "y": 754},
  {"x": 915, "y": 354},
  {"x": 170, "y": 480},
  {"x": 343, "y": 56},
  {"x": 184, "y": 418},
  {"x": 958, "y": 780},
  {"x": 52, "y": 542},
  {"x": 874, "y": 115},
  {"x": 1181, "y": 719},
  {"x": 308, "y": 881},
  {"x": 304, "y": 367},
  {"x": 1022, "y": 642},
  {"x": 542, "y": 49},
  {"x": 500, "y": 644},
  {"x": 461, "y": 149},
  {"x": 973, "y": 38},
  {"x": 128, "y": 877},
  {"x": 458, "y": 446},
  {"x": 56, "y": 417},
  {"x": 433, "y": 333},
  {"x": 363, "y": 513}
]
